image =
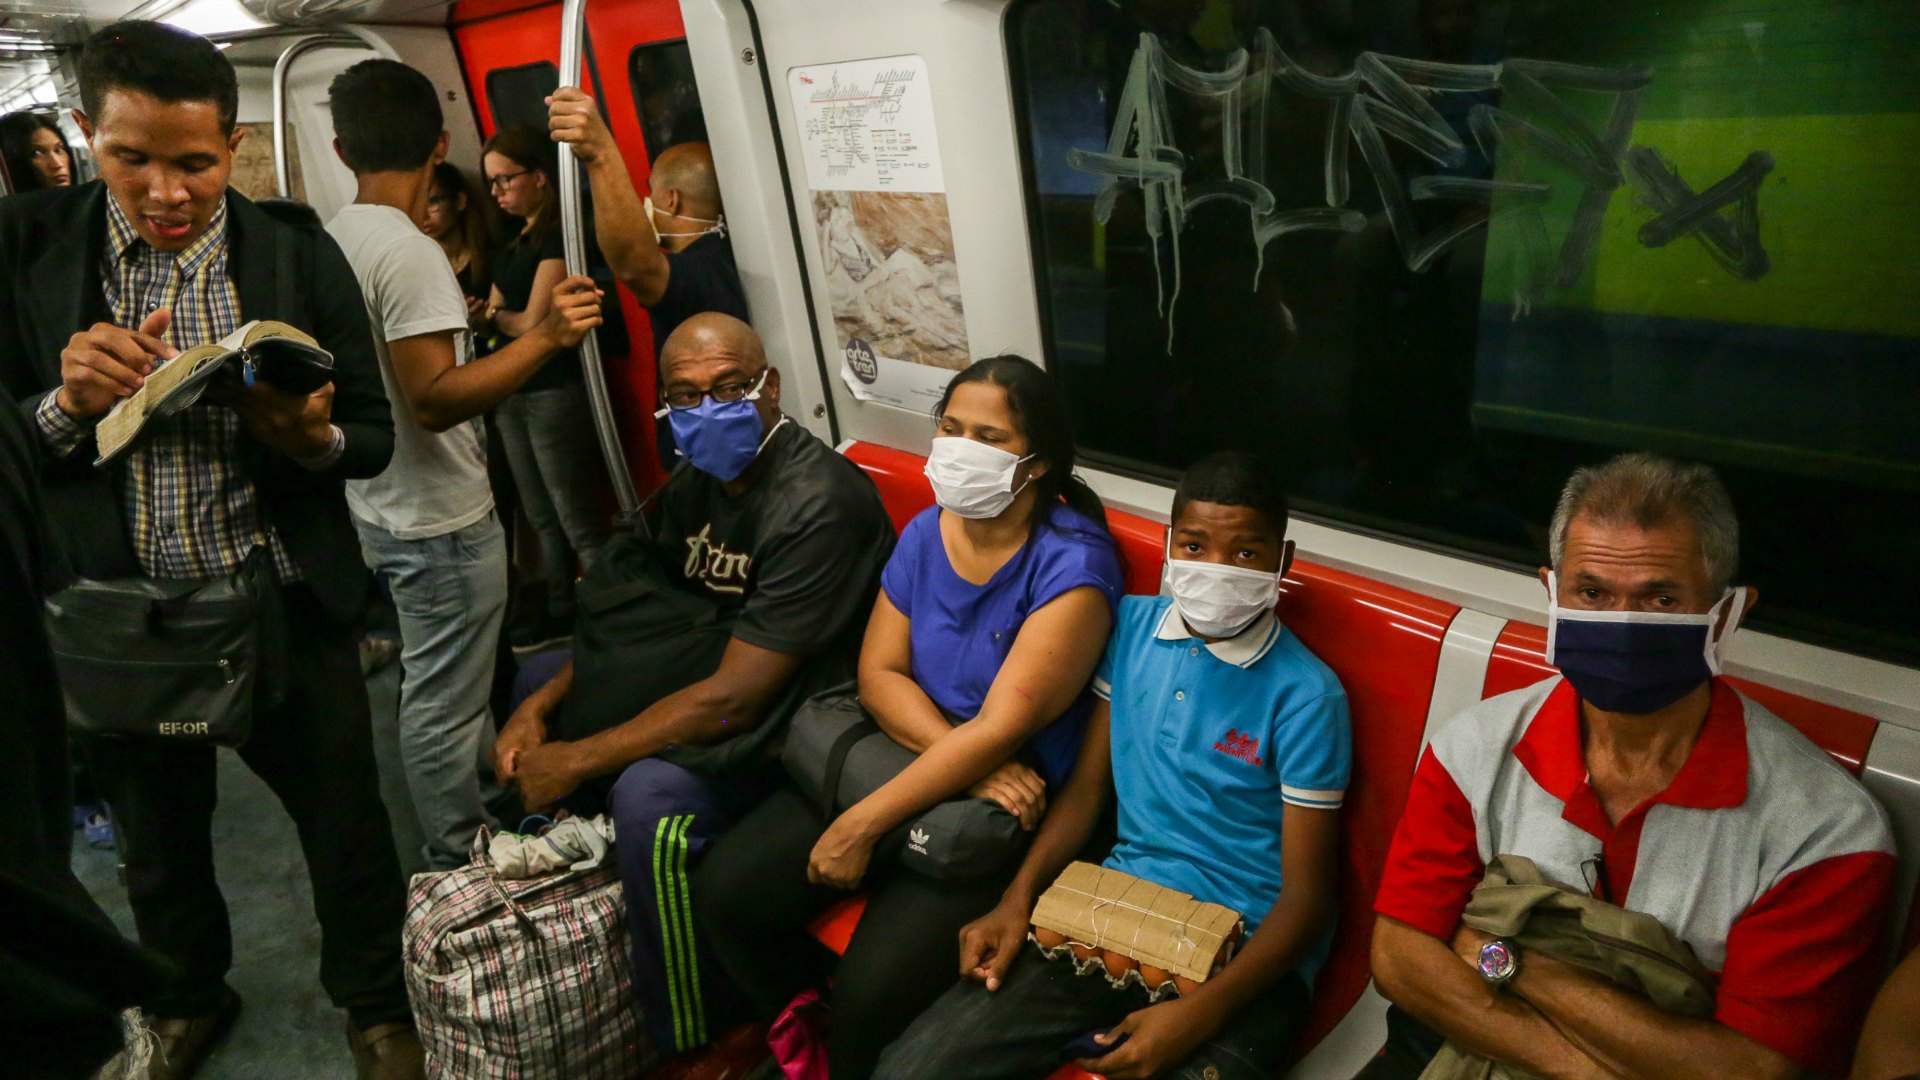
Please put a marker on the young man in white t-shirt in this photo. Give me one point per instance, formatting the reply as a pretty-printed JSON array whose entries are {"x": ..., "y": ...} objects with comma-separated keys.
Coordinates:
[{"x": 427, "y": 524}]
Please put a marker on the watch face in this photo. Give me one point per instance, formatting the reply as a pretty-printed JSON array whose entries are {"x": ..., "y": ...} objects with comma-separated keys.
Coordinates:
[{"x": 1496, "y": 961}]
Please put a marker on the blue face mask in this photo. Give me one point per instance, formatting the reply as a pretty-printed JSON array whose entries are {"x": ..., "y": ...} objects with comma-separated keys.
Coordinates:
[
  {"x": 1636, "y": 662},
  {"x": 722, "y": 438}
]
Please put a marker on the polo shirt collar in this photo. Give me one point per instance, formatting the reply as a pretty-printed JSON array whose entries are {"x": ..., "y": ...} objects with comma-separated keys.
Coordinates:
[
  {"x": 1242, "y": 650},
  {"x": 122, "y": 236},
  {"x": 1714, "y": 776}
]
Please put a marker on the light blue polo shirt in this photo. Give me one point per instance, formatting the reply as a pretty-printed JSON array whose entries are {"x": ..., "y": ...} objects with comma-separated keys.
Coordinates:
[{"x": 1209, "y": 743}]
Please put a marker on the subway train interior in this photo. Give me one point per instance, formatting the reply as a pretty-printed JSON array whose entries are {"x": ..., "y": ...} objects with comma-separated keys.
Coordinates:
[{"x": 1420, "y": 258}]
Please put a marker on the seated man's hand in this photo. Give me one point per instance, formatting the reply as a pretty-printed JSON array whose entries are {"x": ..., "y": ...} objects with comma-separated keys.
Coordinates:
[
  {"x": 299, "y": 426},
  {"x": 841, "y": 856},
  {"x": 525, "y": 729},
  {"x": 1019, "y": 790},
  {"x": 990, "y": 943},
  {"x": 545, "y": 774},
  {"x": 105, "y": 363},
  {"x": 1159, "y": 1037},
  {"x": 575, "y": 310},
  {"x": 574, "y": 119}
]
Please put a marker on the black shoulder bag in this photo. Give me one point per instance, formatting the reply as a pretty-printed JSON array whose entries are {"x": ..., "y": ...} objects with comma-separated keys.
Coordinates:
[
  {"x": 176, "y": 660},
  {"x": 837, "y": 755}
]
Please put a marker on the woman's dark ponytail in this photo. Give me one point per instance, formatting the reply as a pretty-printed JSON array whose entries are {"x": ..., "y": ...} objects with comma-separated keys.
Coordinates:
[{"x": 1036, "y": 402}]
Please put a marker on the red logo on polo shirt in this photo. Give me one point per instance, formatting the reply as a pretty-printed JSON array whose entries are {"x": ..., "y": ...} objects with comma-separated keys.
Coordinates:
[{"x": 1244, "y": 747}]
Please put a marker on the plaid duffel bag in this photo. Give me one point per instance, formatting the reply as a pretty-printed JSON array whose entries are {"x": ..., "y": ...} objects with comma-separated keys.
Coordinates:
[{"x": 522, "y": 980}]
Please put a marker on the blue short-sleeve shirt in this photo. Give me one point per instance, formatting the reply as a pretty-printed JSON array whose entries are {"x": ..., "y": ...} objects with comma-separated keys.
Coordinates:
[
  {"x": 1209, "y": 743},
  {"x": 961, "y": 632}
]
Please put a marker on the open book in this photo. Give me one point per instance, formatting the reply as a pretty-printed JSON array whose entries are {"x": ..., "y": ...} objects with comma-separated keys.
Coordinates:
[{"x": 265, "y": 351}]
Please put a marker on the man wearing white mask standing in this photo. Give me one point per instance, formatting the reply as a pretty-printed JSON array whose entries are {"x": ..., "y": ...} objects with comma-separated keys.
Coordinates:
[
  {"x": 1639, "y": 776},
  {"x": 1224, "y": 742}
]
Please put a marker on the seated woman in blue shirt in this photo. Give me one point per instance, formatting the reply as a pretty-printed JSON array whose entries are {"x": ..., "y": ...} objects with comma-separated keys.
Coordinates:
[{"x": 994, "y": 608}]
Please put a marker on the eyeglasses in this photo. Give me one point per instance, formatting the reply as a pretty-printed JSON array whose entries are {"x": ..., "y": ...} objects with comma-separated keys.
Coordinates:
[
  {"x": 724, "y": 393},
  {"x": 505, "y": 180}
]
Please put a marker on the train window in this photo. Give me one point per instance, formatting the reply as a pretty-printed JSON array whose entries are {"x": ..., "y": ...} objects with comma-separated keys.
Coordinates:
[
  {"x": 518, "y": 95},
  {"x": 1432, "y": 254},
  {"x": 664, "y": 95}
]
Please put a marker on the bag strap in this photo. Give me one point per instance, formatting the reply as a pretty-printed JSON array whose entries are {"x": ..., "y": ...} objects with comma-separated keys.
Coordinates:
[{"x": 837, "y": 761}]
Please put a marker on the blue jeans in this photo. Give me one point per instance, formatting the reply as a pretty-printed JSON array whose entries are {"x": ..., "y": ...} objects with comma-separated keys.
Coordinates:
[
  {"x": 1019, "y": 1031},
  {"x": 555, "y": 458},
  {"x": 451, "y": 593}
]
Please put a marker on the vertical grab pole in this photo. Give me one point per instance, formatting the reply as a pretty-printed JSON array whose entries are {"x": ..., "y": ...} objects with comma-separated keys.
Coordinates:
[{"x": 573, "y": 30}]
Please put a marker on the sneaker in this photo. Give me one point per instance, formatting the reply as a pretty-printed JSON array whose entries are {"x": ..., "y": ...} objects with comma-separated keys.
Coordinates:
[
  {"x": 99, "y": 831},
  {"x": 171, "y": 1048},
  {"x": 376, "y": 653},
  {"x": 540, "y": 636}
]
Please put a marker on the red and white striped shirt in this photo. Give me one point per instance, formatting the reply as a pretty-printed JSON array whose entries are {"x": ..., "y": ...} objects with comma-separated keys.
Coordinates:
[{"x": 1762, "y": 854}]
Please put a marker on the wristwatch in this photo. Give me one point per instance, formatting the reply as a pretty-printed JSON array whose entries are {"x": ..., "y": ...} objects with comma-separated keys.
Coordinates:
[{"x": 1499, "y": 962}]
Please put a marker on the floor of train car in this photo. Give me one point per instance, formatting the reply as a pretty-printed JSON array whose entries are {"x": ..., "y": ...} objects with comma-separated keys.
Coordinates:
[{"x": 287, "y": 1028}]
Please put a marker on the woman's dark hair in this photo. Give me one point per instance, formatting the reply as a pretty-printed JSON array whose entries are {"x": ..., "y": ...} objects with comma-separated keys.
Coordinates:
[
  {"x": 16, "y": 147},
  {"x": 530, "y": 148},
  {"x": 449, "y": 180},
  {"x": 1037, "y": 405}
]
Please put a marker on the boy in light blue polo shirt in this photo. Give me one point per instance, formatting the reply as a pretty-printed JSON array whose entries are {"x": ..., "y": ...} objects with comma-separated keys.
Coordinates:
[{"x": 1225, "y": 742}]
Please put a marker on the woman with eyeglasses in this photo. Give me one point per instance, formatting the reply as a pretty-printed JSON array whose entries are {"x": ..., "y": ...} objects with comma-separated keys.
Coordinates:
[
  {"x": 458, "y": 221},
  {"x": 34, "y": 152},
  {"x": 546, "y": 427}
]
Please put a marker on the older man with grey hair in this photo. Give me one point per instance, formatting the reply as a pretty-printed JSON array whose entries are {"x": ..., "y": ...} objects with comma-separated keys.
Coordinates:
[{"x": 1641, "y": 777}]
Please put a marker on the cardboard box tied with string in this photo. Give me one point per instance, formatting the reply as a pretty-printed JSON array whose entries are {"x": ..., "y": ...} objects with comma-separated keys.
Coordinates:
[{"x": 1133, "y": 930}]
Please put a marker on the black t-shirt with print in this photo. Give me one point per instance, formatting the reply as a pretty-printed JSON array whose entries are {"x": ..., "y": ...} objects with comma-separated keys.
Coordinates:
[
  {"x": 795, "y": 559},
  {"x": 513, "y": 269}
]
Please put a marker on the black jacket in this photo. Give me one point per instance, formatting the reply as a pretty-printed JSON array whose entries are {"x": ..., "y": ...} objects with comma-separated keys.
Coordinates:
[{"x": 50, "y": 248}]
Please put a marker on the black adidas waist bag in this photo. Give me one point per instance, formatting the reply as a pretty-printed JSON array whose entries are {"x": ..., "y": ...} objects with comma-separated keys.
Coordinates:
[{"x": 837, "y": 756}]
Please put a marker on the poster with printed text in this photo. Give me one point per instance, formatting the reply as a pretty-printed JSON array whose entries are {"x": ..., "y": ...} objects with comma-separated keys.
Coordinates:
[{"x": 880, "y": 212}]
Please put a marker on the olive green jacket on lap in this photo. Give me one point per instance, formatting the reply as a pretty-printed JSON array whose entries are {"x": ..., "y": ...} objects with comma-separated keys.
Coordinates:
[{"x": 1514, "y": 901}]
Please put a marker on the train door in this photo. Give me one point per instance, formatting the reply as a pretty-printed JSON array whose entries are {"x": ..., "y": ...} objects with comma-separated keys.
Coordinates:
[
  {"x": 637, "y": 67},
  {"x": 288, "y": 149}
]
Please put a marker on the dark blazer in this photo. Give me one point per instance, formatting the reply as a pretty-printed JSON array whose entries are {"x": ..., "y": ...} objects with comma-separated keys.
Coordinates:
[{"x": 50, "y": 247}]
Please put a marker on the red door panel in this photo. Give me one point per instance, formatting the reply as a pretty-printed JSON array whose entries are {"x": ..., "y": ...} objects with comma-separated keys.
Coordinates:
[{"x": 506, "y": 34}]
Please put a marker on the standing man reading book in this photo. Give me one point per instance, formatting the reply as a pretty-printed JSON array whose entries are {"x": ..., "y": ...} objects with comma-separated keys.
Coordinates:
[
  {"x": 427, "y": 524},
  {"x": 100, "y": 283}
]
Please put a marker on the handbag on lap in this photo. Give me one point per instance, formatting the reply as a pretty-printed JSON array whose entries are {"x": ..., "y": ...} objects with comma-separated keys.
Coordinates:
[{"x": 837, "y": 755}]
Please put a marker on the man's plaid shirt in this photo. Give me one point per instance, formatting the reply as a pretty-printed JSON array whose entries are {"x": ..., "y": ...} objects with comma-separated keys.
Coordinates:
[{"x": 191, "y": 510}]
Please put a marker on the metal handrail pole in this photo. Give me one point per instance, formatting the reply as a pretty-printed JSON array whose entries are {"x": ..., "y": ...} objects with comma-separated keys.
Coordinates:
[
  {"x": 573, "y": 30},
  {"x": 282, "y": 162}
]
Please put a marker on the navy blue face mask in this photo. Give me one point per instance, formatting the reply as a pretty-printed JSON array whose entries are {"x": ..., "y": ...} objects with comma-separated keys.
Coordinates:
[
  {"x": 1636, "y": 662},
  {"x": 722, "y": 438}
]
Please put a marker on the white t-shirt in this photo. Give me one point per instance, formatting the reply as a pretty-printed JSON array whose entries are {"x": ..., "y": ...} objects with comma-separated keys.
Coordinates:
[{"x": 436, "y": 483}]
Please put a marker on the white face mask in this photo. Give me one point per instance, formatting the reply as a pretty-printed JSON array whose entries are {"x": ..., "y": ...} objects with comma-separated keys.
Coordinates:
[
  {"x": 713, "y": 225},
  {"x": 1216, "y": 600},
  {"x": 972, "y": 479}
]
